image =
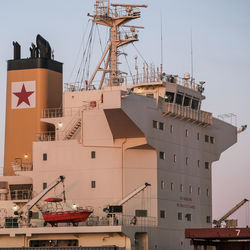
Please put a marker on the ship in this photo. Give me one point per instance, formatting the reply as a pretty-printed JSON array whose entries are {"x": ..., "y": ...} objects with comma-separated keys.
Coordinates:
[{"x": 136, "y": 152}]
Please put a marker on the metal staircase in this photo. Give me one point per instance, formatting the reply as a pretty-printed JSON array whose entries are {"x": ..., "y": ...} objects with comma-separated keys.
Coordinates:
[{"x": 73, "y": 129}]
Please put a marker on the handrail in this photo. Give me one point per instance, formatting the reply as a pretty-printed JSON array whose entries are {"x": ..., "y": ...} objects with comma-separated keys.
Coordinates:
[
  {"x": 142, "y": 78},
  {"x": 188, "y": 113},
  {"x": 58, "y": 112}
]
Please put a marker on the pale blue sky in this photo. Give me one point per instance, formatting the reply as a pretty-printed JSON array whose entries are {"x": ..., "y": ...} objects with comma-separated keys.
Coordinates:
[{"x": 221, "y": 44}]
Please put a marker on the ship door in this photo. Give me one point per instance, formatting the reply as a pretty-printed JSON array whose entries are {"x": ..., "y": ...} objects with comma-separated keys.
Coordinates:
[{"x": 141, "y": 241}]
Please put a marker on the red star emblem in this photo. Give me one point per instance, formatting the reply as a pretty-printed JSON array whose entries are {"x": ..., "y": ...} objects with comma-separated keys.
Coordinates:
[{"x": 23, "y": 96}]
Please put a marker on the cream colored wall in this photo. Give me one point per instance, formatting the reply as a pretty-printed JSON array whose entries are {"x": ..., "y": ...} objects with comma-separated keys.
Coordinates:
[{"x": 95, "y": 129}]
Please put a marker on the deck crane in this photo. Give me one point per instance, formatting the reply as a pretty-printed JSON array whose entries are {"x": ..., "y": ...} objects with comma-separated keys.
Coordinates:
[
  {"x": 118, "y": 208},
  {"x": 217, "y": 223},
  {"x": 24, "y": 212}
]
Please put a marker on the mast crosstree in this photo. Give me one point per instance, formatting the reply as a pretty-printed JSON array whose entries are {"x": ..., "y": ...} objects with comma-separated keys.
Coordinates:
[{"x": 115, "y": 16}]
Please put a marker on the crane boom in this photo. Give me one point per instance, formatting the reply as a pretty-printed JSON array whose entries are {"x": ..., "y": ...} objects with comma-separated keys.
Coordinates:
[
  {"x": 131, "y": 195},
  {"x": 230, "y": 212},
  {"x": 29, "y": 205}
]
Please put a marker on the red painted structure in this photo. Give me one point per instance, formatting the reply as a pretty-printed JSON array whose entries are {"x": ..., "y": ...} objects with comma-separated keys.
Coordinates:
[
  {"x": 55, "y": 217},
  {"x": 221, "y": 238}
]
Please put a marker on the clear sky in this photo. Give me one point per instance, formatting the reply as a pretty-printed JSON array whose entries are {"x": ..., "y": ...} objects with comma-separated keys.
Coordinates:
[{"x": 221, "y": 45}]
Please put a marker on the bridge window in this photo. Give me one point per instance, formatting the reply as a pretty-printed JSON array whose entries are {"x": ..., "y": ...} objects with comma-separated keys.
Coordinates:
[
  {"x": 195, "y": 104},
  {"x": 179, "y": 98},
  {"x": 169, "y": 97},
  {"x": 187, "y": 101}
]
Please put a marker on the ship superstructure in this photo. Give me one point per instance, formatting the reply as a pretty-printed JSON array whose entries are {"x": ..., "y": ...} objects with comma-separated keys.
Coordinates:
[{"x": 139, "y": 155}]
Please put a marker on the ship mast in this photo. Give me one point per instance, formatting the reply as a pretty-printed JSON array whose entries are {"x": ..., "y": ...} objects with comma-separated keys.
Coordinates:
[{"x": 114, "y": 16}]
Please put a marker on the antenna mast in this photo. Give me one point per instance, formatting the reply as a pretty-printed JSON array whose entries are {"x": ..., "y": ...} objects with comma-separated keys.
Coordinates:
[
  {"x": 192, "y": 61},
  {"x": 114, "y": 16},
  {"x": 161, "y": 49}
]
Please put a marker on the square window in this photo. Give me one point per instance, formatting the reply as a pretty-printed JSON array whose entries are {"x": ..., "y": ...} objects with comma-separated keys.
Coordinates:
[
  {"x": 93, "y": 154},
  {"x": 211, "y": 139},
  {"x": 45, "y": 157},
  {"x": 207, "y": 165},
  {"x": 155, "y": 124},
  {"x": 208, "y": 219},
  {"x": 188, "y": 217},
  {"x": 161, "y": 125},
  {"x": 179, "y": 216},
  {"x": 44, "y": 185},
  {"x": 162, "y": 214},
  {"x": 141, "y": 213},
  {"x": 162, "y": 155},
  {"x": 93, "y": 184},
  {"x": 206, "y": 138}
]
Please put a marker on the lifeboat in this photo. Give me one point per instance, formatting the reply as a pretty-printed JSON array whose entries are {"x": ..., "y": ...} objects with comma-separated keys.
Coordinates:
[{"x": 57, "y": 215}]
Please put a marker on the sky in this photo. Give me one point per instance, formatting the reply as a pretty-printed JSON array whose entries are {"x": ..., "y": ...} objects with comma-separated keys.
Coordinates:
[{"x": 221, "y": 57}]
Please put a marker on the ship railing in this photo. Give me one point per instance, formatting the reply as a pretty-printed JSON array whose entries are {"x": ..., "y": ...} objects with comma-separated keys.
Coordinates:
[
  {"x": 124, "y": 35},
  {"x": 176, "y": 110},
  {"x": 59, "y": 112},
  {"x": 102, "y": 12},
  {"x": 121, "y": 220},
  {"x": 46, "y": 136},
  {"x": 149, "y": 76},
  {"x": 23, "y": 166}
]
